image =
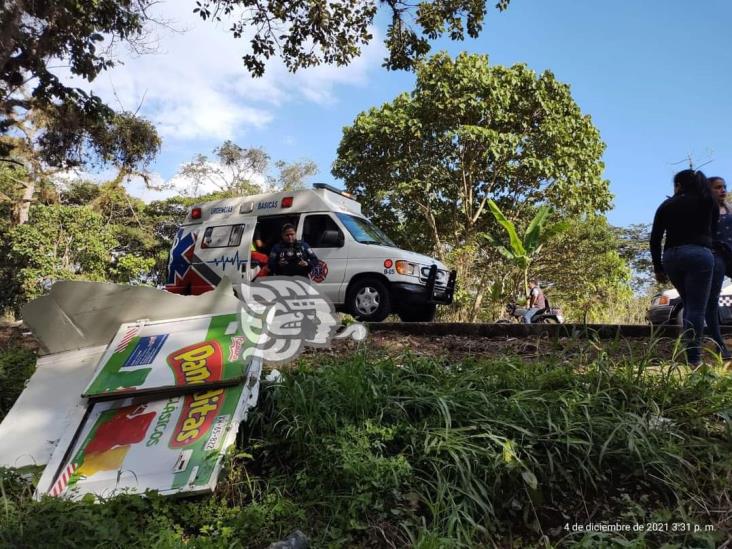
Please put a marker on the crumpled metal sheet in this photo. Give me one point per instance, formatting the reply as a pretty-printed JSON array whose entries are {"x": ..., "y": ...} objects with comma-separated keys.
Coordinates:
[{"x": 76, "y": 315}]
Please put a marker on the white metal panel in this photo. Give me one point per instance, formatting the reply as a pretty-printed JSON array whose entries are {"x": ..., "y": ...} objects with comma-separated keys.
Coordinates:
[{"x": 47, "y": 407}]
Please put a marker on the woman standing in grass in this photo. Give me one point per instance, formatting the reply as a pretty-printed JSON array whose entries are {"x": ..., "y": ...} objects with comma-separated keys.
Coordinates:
[
  {"x": 689, "y": 221},
  {"x": 719, "y": 192},
  {"x": 723, "y": 235}
]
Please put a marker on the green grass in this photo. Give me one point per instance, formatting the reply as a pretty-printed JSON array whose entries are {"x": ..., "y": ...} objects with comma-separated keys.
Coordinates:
[{"x": 368, "y": 450}]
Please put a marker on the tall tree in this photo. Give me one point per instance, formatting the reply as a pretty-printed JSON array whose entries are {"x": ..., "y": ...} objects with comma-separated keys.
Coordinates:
[
  {"x": 426, "y": 164},
  {"x": 293, "y": 175},
  {"x": 124, "y": 141},
  {"x": 310, "y": 32},
  {"x": 471, "y": 132},
  {"x": 35, "y": 34},
  {"x": 237, "y": 171}
]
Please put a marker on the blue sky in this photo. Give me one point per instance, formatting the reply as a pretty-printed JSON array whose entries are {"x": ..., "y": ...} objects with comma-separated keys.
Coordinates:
[{"x": 654, "y": 75}]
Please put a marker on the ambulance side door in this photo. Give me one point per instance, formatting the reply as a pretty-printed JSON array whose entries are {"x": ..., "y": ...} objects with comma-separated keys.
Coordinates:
[
  {"x": 222, "y": 250},
  {"x": 324, "y": 235}
]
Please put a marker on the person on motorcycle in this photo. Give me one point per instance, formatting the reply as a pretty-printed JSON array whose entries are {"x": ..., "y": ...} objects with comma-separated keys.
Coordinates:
[
  {"x": 535, "y": 302},
  {"x": 291, "y": 257}
]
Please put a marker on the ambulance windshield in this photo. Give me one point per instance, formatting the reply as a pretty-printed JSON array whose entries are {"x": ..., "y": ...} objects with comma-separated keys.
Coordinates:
[{"x": 363, "y": 231}]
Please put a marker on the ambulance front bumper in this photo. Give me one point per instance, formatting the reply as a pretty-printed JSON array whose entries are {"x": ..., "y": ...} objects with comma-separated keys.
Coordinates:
[{"x": 408, "y": 293}]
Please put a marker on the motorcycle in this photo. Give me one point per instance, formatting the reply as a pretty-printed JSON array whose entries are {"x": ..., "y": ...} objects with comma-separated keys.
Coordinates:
[{"x": 547, "y": 315}]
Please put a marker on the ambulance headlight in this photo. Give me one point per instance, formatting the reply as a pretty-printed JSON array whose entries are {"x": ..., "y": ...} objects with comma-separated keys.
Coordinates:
[{"x": 406, "y": 268}]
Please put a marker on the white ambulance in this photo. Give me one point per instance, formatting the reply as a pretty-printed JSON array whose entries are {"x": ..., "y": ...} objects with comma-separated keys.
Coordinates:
[{"x": 360, "y": 269}]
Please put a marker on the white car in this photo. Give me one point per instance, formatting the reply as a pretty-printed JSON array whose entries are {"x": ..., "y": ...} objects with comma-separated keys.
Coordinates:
[
  {"x": 666, "y": 306},
  {"x": 360, "y": 270}
]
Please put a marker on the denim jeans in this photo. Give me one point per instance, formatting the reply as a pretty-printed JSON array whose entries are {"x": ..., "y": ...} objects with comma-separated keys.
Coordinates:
[
  {"x": 690, "y": 269},
  {"x": 712, "y": 314}
]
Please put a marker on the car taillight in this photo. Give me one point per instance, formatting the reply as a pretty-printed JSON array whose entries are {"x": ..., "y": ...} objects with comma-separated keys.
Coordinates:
[
  {"x": 286, "y": 202},
  {"x": 196, "y": 213}
]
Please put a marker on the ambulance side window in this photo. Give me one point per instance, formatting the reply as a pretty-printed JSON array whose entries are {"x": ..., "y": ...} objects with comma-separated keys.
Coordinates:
[
  {"x": 269, "y": 229},
  {"x": 222, "y": 236},
  {"x": 314, "y": 231}
]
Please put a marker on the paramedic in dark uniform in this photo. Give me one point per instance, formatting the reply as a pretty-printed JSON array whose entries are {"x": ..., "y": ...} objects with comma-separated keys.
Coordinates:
[{"x": 291, "y": 257}]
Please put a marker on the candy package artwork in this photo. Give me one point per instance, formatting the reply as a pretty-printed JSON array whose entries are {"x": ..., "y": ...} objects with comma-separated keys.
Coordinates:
[
  {"x": 131, "y": 445},
  {"x": 170, "y": 357}
]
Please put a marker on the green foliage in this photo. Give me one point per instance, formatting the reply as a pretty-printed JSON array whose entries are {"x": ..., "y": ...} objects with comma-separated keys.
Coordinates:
[
  {"x": 633, "y": 247},
  {"x": 310, "y": 32},
  {"x": 130, "y": 143},
  {"x": 591, "y": 279},
  {"x": 515, "y": 251},
  {"x": 426, "y": 164},
  {"x": 374, "y": 451},
  {"x": 131, "y": 269},
  {"x": 521, "y": 251},
  {"x": 292, "y": 176},
  {"x": 16, "y": 366},
  {"x": 63, "y": 242},
  {"x": 98, "y": 232},
  {"x": 483, "y": 450},
  {"x": 471, "y": 132},
  {"x": 35, "y": 35}
]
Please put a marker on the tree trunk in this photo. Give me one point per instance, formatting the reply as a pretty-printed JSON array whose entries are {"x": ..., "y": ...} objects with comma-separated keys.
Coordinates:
[
  {"x": 22, "y": 208},
  {"x": 477, "y": 303}
]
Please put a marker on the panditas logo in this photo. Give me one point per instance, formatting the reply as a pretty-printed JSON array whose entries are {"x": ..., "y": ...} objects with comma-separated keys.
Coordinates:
[
  {"x": 197, "y": 416},
  {"x": 197, "y": 363}
]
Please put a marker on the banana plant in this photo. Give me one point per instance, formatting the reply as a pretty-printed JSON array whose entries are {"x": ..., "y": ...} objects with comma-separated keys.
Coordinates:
[{"x": 521, "y": 251}]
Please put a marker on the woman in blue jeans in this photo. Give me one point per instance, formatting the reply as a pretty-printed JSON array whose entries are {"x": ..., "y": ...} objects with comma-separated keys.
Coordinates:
[{"x": 688, "y": 220}]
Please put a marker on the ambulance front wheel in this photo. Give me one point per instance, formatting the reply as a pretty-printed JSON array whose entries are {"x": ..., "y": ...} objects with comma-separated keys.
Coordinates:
[{"x": 369, "y": 300}]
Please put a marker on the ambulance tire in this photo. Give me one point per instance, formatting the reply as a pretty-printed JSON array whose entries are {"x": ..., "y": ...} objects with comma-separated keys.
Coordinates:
[
  {"x": 418, "y": 313},
  {"x": 368, "y": 300}
]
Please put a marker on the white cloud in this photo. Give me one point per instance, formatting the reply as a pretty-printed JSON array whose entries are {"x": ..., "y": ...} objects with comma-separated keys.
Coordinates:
[{"x": 197, "y": 87}]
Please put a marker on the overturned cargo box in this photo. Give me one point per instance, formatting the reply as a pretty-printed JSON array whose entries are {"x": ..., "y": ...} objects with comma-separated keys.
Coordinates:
[
  {"x": 132, "y": 445},
  {"x": 121, "y": 405}
]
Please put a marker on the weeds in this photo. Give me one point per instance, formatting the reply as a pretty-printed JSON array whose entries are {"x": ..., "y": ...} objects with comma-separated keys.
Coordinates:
[{"x": 370, "y": 450}]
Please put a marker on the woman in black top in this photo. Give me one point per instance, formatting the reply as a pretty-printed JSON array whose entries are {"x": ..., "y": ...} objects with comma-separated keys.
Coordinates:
[{"x": 689, "y": 220}]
